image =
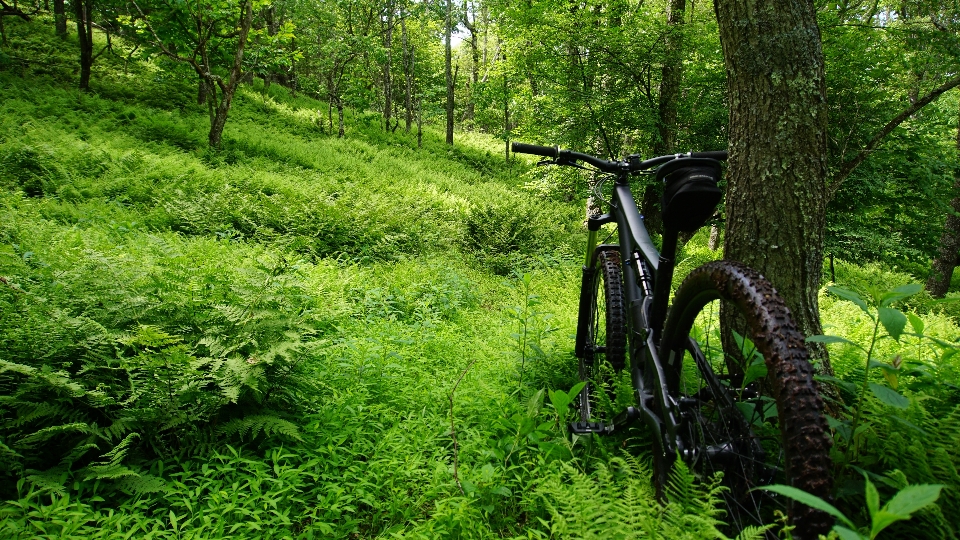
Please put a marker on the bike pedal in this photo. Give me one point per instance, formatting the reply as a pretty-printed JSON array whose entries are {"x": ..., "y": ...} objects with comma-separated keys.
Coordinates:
[{"x": 582, "y": 428}]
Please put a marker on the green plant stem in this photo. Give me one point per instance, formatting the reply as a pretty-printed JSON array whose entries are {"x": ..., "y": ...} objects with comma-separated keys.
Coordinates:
[{"x": 863, "y": 387}]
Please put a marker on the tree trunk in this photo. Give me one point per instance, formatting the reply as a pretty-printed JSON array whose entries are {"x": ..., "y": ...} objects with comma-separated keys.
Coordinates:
[
  {"x": 714, "y": 241},
  {"x": 408, "y": 77},
  {"x": 469, "y": 108},
  {"x": 201, "y": 91},
  {"x": 448, "y": 64},
  {"x": 228, "y": 89},
  {"x": 273, "y": 26},
  {"x": 506, "y": 116},
  {"x": 83, "y": 9},
  {"x": 942, "y": 272},
  {"x": 387, "y": 80},
  {"x": 341, "y": 131},
  {"x": 671, "y": 75},
  {"x": 60, "y": 18},
  {"x": 776, "y": 196},
  {"x": 419, "y": 124}
]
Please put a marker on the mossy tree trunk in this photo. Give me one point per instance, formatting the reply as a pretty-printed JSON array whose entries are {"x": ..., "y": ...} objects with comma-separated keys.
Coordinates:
[
  {"x": 671, "y": 75},
  {"x": 776, "y": 196},
  {"x": 60, "y": 18},
  {"x": 942, "y": 272}
]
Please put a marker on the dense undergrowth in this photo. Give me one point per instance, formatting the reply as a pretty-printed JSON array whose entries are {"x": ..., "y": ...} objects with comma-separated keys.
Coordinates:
[{"x": 305, "y": 336}]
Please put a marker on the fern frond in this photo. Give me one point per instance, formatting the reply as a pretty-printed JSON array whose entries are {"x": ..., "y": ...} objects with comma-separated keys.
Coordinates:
[
  {"x": 57, "y": 380},
  {"x": 752, "y": 532},
  {"x": 118, "y": 452},
  {"x": 9, "y": 458},
  {"x": 51, "y": 480},
  {"x": 142, "y": 484},
  {"x": 109, "y": 471},
  {"x": 52, "y": 431},
  {"x": 119, "y": 427},
  {"x": 28, "y": 412},
  {"x": 255, "y": 424},
  {"x": 76, "y": 453}
]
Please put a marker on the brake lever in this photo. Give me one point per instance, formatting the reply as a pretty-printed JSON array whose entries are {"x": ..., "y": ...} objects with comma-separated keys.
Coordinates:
[{"x": 547, "y": 162}]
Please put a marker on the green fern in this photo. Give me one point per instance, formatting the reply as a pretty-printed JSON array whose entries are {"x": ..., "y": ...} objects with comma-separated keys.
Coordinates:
[
  {"x": 47, "y": 433},
  {"x": 142, "y": 484},
  {"x": 253, "y": 425},
  {"x": 617, "y": 501}
]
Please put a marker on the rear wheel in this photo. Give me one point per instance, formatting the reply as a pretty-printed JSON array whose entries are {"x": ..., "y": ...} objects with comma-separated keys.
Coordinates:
[
  {"x": 605, "y": 345},
  {"x": 752, "y": 413}
]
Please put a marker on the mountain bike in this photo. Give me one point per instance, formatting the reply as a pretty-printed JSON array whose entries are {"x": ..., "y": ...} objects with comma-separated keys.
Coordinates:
[{"x": 738, "y": 399}]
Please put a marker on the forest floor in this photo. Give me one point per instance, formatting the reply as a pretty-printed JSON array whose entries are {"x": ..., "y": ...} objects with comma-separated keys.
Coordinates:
[{"x": 300, "y": 335}]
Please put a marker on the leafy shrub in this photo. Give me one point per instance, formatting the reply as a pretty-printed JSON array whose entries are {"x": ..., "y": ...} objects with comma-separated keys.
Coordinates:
[
  {"x": 170, "y": 129},
  {"x": 509, "y": 235},
  {"x": 34, "y": 170},
  {"x": 898, "y": 423},
  {"x": 90, "y": 361}
]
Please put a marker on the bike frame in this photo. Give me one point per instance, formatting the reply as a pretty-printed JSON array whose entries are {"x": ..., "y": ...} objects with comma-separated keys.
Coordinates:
[{"x": 647, "y": 275}]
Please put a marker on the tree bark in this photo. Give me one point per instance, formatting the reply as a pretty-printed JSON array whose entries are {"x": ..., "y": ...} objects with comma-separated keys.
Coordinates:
[
  {"x": 83, "y": 9},
  {"x": 60, "y": 18},
  {"x": 506, "y": 117},
  {"x": 468, "y": 114},
  {"x": 273, "y": 26},
  {"x": 776, "y": 192},
  {"x": 387, "y": 67},
  {"x": 408, "y": 76},
  {"x": 942, "y": 272},
  {"x": 228, "y": 89},
  {"x": 671, "y": 75},
  {"x": 448, "y": 65}
]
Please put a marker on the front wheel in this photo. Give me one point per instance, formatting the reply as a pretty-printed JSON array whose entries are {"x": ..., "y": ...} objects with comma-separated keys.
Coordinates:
[
  {"x": 604, "y": 324},
  {"x": 752, "y": 413}
]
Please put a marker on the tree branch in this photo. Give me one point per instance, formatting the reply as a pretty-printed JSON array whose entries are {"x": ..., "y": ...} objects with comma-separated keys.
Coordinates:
[
  {"x": 865, "y": 152},
  {"x": 6, "y": 9}
]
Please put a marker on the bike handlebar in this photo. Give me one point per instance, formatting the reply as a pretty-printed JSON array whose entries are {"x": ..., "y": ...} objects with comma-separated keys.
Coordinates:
[
  {"x": 535, "y": 149},
  {"x": 631, "y": 164}
]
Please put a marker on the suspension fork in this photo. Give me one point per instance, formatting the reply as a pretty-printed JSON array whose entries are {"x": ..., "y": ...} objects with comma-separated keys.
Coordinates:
[{"x": 588, "y": 279}]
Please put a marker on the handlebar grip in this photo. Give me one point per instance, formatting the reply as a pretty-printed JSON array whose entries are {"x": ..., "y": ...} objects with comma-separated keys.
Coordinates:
[
  {"x": 720, "y": 155},
  {"x": 535, "y": 149}
]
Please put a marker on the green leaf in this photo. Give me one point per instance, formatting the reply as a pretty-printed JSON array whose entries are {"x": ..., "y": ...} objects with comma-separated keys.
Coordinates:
[
  {"x": 894, "y": 321},
  {"x": 872, "y": 496},
  {"x": 559, "y": 400},
  {"x": 846, "y": 534},
  {"x": 907, "y": 424},
  {"x": 533, "y": 406},
  {"x": 883, "y": 519},
  {"x": 830, "y": 339},
  {"x": 882, "y": 365},
  {"x": 889, "y": 396},
  {"x": 746, "y": 347},
  {"x": 899, "y": 293},
  {"x": 572, "y": 394},
  {"x": 808, "y": 499},
  {"x": 916, "y": 323},
  {"x": 913, "y": 498},
  {"x": 851, "y": 296},
  {"x": 845, "y": 385}
]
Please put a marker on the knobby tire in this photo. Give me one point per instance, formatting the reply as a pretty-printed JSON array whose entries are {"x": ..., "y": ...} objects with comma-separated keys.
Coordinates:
[
  {"x": 729, "y": 424},
  {"x": 606, "y": 340}
]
